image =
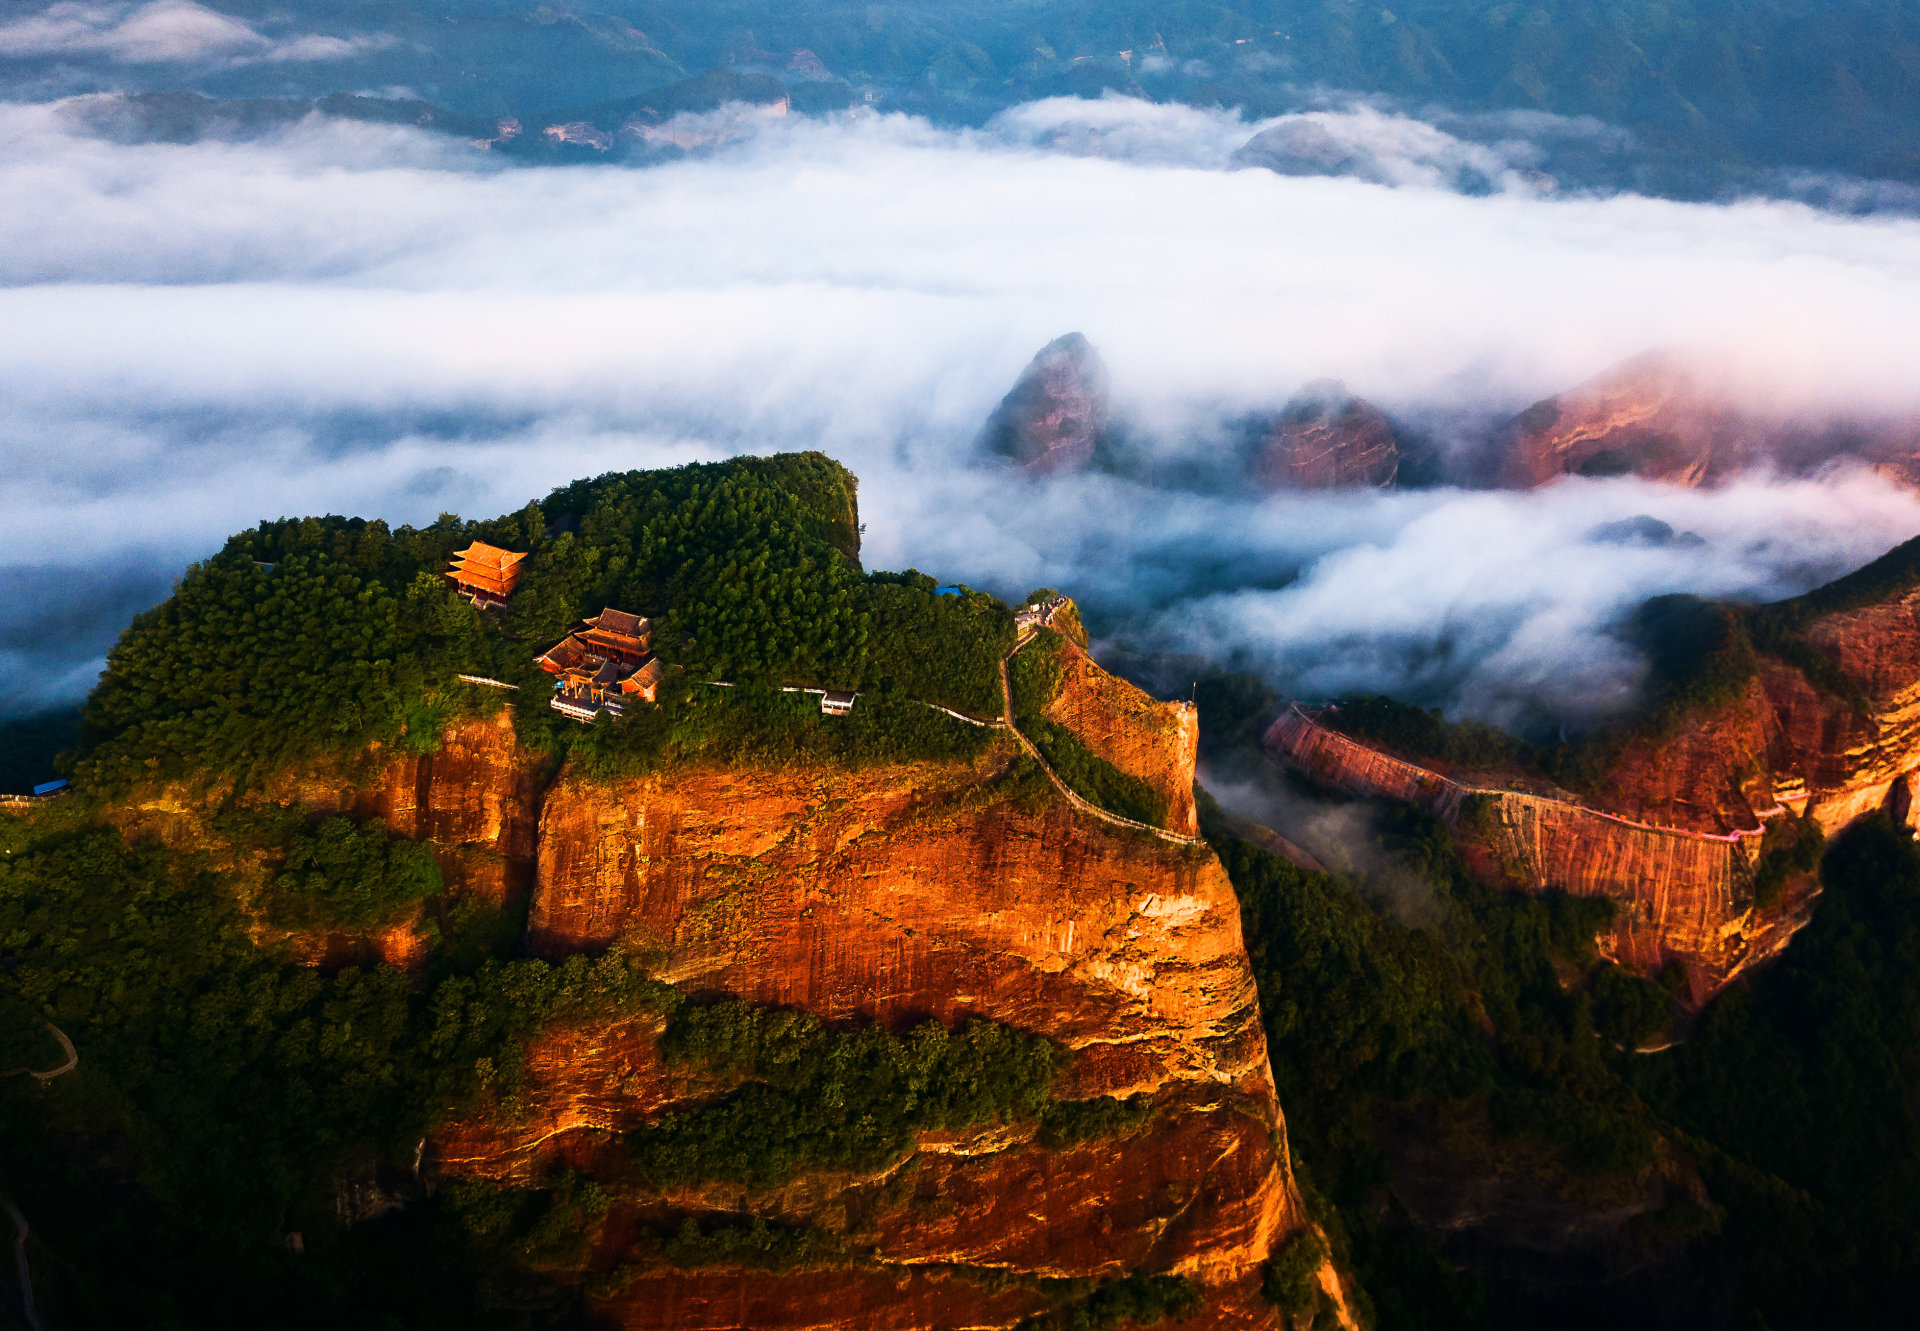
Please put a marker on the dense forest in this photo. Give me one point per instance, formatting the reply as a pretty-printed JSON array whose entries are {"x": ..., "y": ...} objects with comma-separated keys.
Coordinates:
[
  {"x": 1781, "y": 1128},
  {"x": 324, "y": 634}
]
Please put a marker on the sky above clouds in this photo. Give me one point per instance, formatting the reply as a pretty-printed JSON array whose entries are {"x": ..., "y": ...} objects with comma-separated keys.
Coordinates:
[{"x": 363, "y": 319}]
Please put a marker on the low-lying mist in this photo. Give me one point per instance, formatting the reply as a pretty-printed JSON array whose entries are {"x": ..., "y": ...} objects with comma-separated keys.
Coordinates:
[{"x": 362, "y": 319}]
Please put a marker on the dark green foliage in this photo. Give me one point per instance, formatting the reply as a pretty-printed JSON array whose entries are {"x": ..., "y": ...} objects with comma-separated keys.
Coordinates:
[
  {"x": 247, "y": 666},
  {"x": 1291, "y": 1280},
  {"x": 1418, "y": 732},
  {"x": 549, "y": 1226},
  {"x": 1369, "y": 1020},
  {"x": 820, "y": 1099},
  {"x": 1034, "y": 676},
  {"x": 28, "y": 745},
  {"x": 755, "y": 724},
  {"x": 753, "y": 1245},
  {"x": 478, "y": 1023},
  {"x": 346, "y": 876},
  {"x": 320, "y": 634},
  {"x": 1803, "y": 1088},
  {"x": 220, "y": 1089},
  {"x": 1887, "y": 578},
  {"x": 1627, "y": 1010},
  {"x": 1071, "y": 1122},
  {"x": 1791, "y": 847},
  {"x": 944, "y": 649},
  {"x": 1093, "y": 778},
  {"x": 1237, "y": 709},
  {"x": 1699, "y": 656},
  {"x": 1135, "y": 1300}
]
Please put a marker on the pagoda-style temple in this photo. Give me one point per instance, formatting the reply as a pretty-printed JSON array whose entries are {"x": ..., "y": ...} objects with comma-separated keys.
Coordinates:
[
  {"x": 603, "y": 665},
  {"x": 485, "y": 574}
]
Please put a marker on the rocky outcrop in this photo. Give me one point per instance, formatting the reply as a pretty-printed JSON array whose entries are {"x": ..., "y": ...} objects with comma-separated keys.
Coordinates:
[
  {"x": 888, "y": 893},
  {"x": 1057, "y": 413},
  {"x": 1158, "y": 742},
  {"x": 1684, "y": 895},
  {"x": 893, "y": 894},
  {"x": 1659, "y": 417},
  {"x": 1647, "y": 416},
  {"x": 1326, "y": 439},
  {"x": 475, "y": 798},
  {"x": 1676, "y": 833}
]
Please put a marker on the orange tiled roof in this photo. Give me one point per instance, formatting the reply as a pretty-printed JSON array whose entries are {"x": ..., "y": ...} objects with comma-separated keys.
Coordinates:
[
  {"x": 480, "y": 557},
  {"x": 564, "y": 655}
]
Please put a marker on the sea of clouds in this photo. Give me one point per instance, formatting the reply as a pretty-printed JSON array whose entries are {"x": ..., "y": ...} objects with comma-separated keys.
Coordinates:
[{"x": 368, "y": 320}]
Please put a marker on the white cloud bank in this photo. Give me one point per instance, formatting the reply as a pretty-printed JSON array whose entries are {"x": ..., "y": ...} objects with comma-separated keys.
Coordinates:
[
  {"x": 162, "y": 32},
  {"x": 364, "y": 319}
]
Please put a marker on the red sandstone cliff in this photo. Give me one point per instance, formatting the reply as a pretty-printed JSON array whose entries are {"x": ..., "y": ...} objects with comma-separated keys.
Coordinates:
[
  {"x": 1676, "y": 833},
  {"x": 1057, "y": 412},
  {"x": 475, "y": 799},
  {"x": 889, "y": 893},
  {"x": 897, "y": 893},
  {"x": 1159, "y": 742},
  {"x": 1326, "y": 439},
  {"x": 1658, "y": 417}
]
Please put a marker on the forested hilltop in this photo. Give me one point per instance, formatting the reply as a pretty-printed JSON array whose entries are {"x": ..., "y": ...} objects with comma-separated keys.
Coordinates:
[{"x": 323, "y": 635}]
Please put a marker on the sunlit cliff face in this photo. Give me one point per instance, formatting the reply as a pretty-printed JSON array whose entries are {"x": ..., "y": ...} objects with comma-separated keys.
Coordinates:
[{"x": 367, "y": 320}]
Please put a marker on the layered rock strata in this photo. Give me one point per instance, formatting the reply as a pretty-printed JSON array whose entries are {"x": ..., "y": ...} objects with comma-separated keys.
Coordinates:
[
  {"x": 1658, "y": 417},
  {"x": 1687, "y": 809},
  {"x": 1326, "y": 439},
  {"x": 1158, "y": 742},
  {"x": 905, "y": 892},
  {"x": 897, "y": 893},
  {"x": 1684, "y": 895},
  {"x": 1057, "y": 413}
]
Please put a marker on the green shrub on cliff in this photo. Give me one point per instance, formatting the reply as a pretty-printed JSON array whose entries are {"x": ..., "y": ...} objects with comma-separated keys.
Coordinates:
[
  {"x": 1371, "y": 1022},
  {"x": 1071, "y": 1122},
  {"x": 820, "y": 1099},
  {"x": 1420, "y": 733},
  {"x": 1093, "y": 778},
  {"x": 346, "y": 876},
  {"x": 1291, "y": 1277},
  {"x": 1801, "y": 1088},
  {"x": 1135, "y": 1300},
  {"x": 1034, "y": 676}
]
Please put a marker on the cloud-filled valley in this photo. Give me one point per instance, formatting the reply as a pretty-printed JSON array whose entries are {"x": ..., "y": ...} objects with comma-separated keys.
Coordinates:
[{"x": 355, "y": 318}]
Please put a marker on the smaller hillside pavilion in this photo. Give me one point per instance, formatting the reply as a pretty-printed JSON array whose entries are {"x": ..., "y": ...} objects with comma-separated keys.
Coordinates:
[
  {"x": 602, "y": 665},
  {"x": 485, "y": 574}
]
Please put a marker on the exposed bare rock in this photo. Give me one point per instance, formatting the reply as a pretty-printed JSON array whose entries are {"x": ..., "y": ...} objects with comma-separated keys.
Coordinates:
[
  {"x": 1158, "y": 742},
  {"x": 1057, "y": 413},
  {"x": 1679, "y": 832},
  {"x": 1661, "y": 418},
  {"x": 1326, "y": 439},
  {"x": 900, "y": 892},
  {"x": 476, "y": 798},
  {"x": 1647, "y": 416}
]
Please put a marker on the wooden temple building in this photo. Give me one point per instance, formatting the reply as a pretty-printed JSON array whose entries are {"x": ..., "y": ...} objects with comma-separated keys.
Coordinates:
[
  {"x": 485, "y": 574},
  {"x": 603, "y": 665}
]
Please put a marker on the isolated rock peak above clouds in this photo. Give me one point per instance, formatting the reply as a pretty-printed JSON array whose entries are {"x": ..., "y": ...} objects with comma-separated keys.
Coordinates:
[
  {"x": 1660, "y": 417},
  {"x": 1058, "y": 411},
  {"x": 1323, "y": 439}
]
